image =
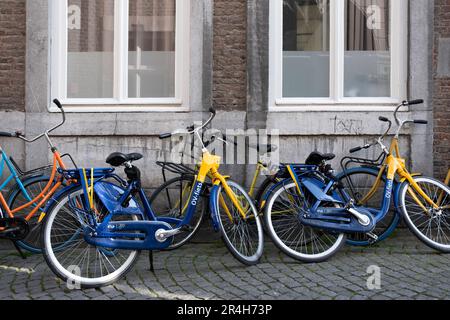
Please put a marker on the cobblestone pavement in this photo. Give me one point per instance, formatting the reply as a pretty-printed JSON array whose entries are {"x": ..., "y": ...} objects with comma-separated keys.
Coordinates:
[{"x": 409, "y": 270}]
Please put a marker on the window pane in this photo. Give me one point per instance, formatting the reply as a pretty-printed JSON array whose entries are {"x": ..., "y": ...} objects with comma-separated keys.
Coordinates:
[
  {"x": 306, "y": 48},
  {"x": 367, "y": 56},
  {"x": 90, "y": 59},
  {"x": 151, "y": 49}
]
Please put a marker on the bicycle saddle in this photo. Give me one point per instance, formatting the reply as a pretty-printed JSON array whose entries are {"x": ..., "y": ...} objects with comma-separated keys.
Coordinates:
[
  {"x": 264, "y": 148},
  {"x": 117, "y": 159},
  {"x": 316, "y": 158}
]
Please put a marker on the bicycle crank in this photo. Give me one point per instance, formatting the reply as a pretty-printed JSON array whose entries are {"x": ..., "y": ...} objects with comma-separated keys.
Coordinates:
[
  {"x": 162, "y": 235},
  {"x": 362, "y": 218}
]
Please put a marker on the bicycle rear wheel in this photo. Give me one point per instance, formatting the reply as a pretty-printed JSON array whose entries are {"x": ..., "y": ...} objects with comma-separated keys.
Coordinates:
[
  {"x": 171, "y": 201},
  {"x": 295, "y": 239},
  {"x": 34, "y": 186},
  {"x": 70, "y": 257},
  {"x": 243, "y": 236}
]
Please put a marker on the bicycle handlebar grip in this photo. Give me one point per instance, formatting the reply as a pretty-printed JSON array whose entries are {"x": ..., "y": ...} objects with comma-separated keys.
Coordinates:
[
  {"x": 383, "y": 119},
  {"x": 165, "y": 136},
  {"x": 414, "y": 102},
  {"x": 6, "y": 134},
  {"x": 213, "y": 111},
  {"x": 356, "y": 149},
  {"x": 420, "y": 121},
  {"x": 58, "y": 104}
]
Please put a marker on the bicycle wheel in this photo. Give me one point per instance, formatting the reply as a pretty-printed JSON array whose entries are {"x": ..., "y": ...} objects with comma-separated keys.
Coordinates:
[
  {"x": 70, "y": 257},
  {"x": 431, "y": 226},
  {"x": 171, "y": 201},
  {"x": 357, "y": 183},
  {"x": 243, "y": 236},
  {"x": 34, "y": 186},
  {"x": 298, "y": 241}
]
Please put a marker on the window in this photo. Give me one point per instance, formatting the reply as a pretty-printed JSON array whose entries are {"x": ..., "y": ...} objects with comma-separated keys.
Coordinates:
[
  {"x": 337, "y": 52},
  {"x": 121, "y": 52}
]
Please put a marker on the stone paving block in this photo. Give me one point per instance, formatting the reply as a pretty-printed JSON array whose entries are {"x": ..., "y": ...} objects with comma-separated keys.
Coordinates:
[{"x": 202, "y": 271}]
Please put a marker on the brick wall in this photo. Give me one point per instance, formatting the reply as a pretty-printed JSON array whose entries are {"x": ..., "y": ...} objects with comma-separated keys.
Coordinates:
[
  {"x": 441, "y": 94},
  {"x": 229, "y": 56},
  {"x": 12, "y": 54}
]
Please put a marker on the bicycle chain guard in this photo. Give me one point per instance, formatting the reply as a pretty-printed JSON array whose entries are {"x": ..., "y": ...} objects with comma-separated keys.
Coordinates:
[{"x": 129, "y": 235}]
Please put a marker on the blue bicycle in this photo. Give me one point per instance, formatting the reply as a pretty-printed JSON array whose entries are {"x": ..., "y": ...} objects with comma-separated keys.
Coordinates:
[
  {"x": 310, "y": 212},
  {"x": 94, "y": 230}
]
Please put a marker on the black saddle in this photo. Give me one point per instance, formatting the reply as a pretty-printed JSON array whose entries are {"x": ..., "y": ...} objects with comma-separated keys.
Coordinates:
[
  {"x": 264, "y": 148},
  {"x": 317, "y": 158},
  {"x": 117, "y": 159}
]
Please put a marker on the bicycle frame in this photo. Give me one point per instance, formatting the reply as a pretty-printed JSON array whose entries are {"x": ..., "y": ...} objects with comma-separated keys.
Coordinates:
[
  {"x": 259, "y": 167},
  {"x": 395, "y": 165},
  {"x": 40, "y": 200}
]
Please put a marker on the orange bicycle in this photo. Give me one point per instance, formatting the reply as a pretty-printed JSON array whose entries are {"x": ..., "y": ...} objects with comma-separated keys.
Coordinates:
[{"x": 21, "y": 211}]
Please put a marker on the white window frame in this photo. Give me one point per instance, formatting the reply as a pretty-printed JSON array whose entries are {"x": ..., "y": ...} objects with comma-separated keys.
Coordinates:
[
  {"x": 120, "y": 102},
  {"x": 337, "y": 101}
]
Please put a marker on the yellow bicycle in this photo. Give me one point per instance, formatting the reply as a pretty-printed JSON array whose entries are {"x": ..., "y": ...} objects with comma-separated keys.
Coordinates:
[
  {"x": 422, "y": 201},
  {"x": 232, "y": 209}
]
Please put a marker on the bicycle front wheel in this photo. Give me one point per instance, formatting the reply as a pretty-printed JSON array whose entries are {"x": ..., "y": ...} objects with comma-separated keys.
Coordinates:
[
  {"x": 243, "y": 236},
  {"x": 430, "y": 225},
  {"x": 70, "y": 257}
]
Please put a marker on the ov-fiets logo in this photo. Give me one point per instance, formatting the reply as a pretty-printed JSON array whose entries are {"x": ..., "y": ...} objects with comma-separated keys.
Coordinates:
[
  {"x": 389, "y": 189},
  {"x": 196, "y": 194}
]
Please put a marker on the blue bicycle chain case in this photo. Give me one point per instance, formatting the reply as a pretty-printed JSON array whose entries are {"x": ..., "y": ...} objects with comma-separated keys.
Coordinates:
[{"x": 129, "y": 235}]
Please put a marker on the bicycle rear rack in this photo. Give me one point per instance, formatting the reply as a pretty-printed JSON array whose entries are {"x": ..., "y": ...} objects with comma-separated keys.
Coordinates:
[
  {"x": 345, "y": 162},
  {"x": 41, "y": 170}
]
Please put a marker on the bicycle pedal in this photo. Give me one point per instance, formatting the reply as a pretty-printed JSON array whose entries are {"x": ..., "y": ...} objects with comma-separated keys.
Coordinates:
[{"x": 373, "y": 238}]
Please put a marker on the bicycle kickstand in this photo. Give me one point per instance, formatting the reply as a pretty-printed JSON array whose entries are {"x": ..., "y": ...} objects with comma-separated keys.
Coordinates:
[
  {"x": 150, "y": 258},
  {"x": 19, "y": 250}
]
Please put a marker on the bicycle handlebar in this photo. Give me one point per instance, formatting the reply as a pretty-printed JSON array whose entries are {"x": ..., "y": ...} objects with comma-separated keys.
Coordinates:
[
  {"x": 405, "y": 104},
  {"x": 414, "y": 102},
  {"x": 21, "y": 136},
  {"x": 59, "y": 105},
  {"x": 192, "y": 129},
  {"x": 399, "y": 122},
  {"x": 7, "y": 135},
  {"x": 367, "y": 146}
]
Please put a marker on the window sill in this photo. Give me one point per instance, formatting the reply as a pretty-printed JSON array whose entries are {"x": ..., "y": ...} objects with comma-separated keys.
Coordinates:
[
  {"x": 344, "y": 105},
  {"x": 119, "y": 109},
  {"x": 128, "y": 106}
]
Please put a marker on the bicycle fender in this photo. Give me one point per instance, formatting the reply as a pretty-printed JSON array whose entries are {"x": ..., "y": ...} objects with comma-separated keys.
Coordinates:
[
  {"x": 272, "y": 188},
  {"x": 396, "y": 192},
  {"x": 213, "y": 205}
]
